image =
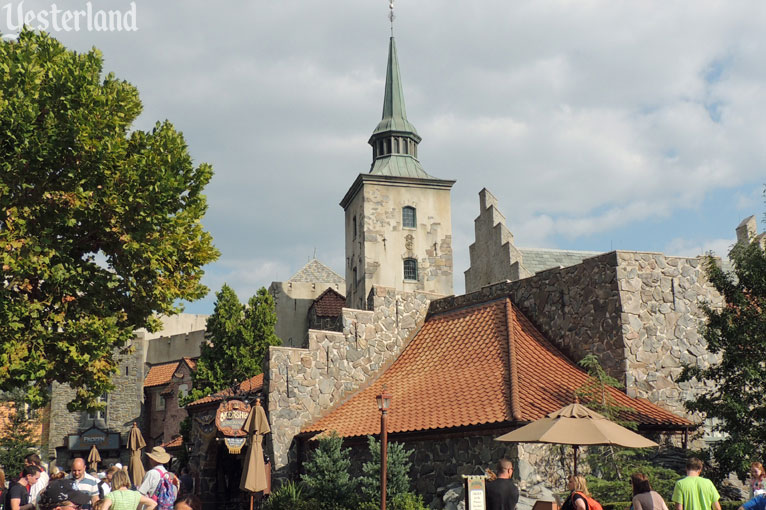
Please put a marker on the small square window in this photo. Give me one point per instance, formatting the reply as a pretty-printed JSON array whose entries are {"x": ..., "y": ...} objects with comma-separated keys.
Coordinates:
[
  {"x": 409, "y": 217},
  {"x": 410, "y": 269}
]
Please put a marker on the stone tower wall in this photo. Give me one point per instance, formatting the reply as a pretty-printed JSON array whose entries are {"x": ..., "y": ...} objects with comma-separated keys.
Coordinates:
[
  {"x": 301, "y": 384},
  {"x": 381, "y": 244},
  {"x": 123, "y": 408}
]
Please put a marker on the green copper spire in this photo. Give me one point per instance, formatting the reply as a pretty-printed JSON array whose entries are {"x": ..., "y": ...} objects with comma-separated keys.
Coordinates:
[
  {"x": 395, "y": 140},
  {"x": 394, "y": 112}
]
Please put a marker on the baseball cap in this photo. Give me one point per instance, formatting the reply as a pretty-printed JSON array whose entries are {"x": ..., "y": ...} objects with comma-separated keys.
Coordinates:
[{"x": 59, "y": 491}]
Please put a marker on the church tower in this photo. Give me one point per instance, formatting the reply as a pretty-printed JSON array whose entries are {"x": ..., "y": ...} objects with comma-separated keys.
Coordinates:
[{"x": 398, "y": 219}]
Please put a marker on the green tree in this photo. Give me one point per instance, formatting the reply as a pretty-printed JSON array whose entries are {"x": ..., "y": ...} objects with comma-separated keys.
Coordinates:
[
  {"x": 327, "y": 479},
  {"x": 238, "y": 339},
  {"x": 736, "y": 333},
  {"x": 99, "y": 222},
  {"x": 397, "y": 471},
  {"x": 17, "y": 439}
]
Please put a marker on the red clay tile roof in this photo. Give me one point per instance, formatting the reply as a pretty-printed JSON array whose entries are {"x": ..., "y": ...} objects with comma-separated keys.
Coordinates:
[
  {"x": 329, "y": 303},
  {"x": 161, "y": 374},
  {"x": 252, "y": 385},
  {"x": 476, "y": 365}
]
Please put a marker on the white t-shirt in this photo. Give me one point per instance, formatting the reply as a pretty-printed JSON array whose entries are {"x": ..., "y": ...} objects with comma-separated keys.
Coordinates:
[
  {"x": 151, "y": 480},
  {"x": 39, "y": 486}
]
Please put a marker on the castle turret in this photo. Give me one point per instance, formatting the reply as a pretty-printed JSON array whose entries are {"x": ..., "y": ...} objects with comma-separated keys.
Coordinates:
[{"x": 398, "y": 217}]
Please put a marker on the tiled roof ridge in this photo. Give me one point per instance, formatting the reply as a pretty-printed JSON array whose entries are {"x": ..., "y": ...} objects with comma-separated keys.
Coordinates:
[
  {"x": 328, "y": 290},
  {"x": 512, "y": 368}
]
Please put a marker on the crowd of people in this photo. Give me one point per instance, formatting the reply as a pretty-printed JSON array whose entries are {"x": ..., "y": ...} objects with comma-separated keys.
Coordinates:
[
  {"x": 692, "y": 492},
  {"x": 36, "y": 488}
]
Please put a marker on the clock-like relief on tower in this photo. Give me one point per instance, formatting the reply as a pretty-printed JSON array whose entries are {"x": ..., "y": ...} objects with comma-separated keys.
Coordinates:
[{"x": 408, "y": 241}]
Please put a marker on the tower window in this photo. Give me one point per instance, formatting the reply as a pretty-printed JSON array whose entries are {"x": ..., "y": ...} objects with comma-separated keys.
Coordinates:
[
  {"x": 409, "y": 217},
  {"x": 396, "y": 146},
  {"x": 356, "y": 283},
  {"x": 354, "y": 221},
  {"x": 410, "y": 269}
]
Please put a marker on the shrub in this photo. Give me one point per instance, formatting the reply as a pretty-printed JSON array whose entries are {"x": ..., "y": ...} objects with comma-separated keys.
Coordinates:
[
  {"x": 327, "y": 479},
  {"x": 289, "y": 496},
  {"x": 397, "y": 472}
]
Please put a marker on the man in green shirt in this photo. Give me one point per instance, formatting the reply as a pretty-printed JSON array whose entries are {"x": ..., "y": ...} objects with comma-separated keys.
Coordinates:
[{"x": 695, "y": 492}]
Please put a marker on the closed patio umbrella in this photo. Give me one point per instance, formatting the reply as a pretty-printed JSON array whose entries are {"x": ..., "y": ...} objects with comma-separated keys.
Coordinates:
[
  {"x": 135, "y": 444},
  {"x": 576, "y": 425},
  {"x": 254, "y": 471},
  {"x": 94, "y": 458}
]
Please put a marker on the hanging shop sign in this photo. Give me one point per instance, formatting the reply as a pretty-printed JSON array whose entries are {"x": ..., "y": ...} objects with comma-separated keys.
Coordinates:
[
  {"x": 231, "y": 416},
  {"x": 102, "y": 439},
  {"x": 234, "y": 444}
]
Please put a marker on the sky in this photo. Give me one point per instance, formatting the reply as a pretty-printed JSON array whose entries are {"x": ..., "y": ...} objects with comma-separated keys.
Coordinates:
[{"x": 598, "y": 124}]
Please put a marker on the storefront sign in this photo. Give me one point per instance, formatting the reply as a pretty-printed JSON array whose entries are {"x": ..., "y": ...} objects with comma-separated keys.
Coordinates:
[
  {"x": 94, "y": 436},
  {"x": 231, "y": 416},
  {"x": 234, "y": 444}
]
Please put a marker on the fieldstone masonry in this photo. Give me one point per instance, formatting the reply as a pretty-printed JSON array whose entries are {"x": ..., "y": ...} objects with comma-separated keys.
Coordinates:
[
  {"x": 123, "y": 408},
  {"x": 661, "y": 317},
  {"x": 302, "y": 383}
]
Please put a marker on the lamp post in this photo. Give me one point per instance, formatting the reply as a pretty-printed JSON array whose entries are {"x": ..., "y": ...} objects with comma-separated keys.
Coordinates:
[{"x": 384, "y": 404}]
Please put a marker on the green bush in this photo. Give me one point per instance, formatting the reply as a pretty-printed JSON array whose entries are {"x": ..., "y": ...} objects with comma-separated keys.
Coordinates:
[
  {"x": 327, "y": 479},
  {"x": 407, "y": 501},
  {"x": 397, "y": 472},
  {"x": 289, "y": 496}
]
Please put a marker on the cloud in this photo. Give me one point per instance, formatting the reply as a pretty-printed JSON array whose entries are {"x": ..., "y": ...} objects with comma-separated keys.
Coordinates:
[{"x": 583, "y": 118}]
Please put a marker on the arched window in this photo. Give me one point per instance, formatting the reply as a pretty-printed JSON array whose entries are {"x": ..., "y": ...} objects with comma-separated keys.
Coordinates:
[
  {"x": 409, "y": 218},
  {"x": 396, "y": 146},
  {"x": 410, "y": 269}
]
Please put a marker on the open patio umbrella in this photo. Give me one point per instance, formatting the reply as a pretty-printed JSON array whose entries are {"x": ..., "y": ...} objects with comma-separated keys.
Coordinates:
[
  {"x": 135, "y": 444},
  {"x": 254, "y": 471},
  {"x": 576, "y": 425},
  {"x": 94, "y": 458}
]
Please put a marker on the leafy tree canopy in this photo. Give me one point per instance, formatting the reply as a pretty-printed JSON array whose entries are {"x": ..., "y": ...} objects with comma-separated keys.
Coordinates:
[
  {"x": 238, "y": 339},
  {"x": 99, "y": 224},
  {"x": 737, "y": 333}
]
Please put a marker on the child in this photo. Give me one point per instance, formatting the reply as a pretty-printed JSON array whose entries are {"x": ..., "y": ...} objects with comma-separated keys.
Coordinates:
[{"x": 757, "y": 480}]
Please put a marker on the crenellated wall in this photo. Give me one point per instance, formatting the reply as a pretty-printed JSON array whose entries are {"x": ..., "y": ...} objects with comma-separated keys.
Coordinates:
[{"x": 302, "y": 383}]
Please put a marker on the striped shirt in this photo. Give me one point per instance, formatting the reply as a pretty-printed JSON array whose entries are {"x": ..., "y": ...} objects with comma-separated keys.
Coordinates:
[{"x": 89, "y": 485}]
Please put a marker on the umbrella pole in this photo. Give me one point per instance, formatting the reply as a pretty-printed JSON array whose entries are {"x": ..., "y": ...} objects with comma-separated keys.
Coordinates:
[{"x": 575, "y": 459}]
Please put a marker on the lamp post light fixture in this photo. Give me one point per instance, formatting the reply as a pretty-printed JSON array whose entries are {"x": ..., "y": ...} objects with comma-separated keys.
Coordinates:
[{"x": 384, "y": 404}]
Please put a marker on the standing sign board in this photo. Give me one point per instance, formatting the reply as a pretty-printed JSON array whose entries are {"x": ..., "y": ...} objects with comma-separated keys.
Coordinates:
[{"x": 475, "y": 493}]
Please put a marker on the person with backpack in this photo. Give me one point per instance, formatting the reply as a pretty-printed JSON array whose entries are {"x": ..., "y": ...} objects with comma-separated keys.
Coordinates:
[
  {"x": 121, "y": 497},
  {"x": 160, "y": 484},
  {"x": 579, "y": 498}
]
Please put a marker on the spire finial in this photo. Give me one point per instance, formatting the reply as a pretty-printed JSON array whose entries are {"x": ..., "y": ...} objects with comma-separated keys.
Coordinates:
[{"x": 391, "y": 15}]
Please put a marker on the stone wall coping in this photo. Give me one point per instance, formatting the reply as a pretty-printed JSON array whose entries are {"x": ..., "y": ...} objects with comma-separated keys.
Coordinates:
[{"x": 292, "y": 349}]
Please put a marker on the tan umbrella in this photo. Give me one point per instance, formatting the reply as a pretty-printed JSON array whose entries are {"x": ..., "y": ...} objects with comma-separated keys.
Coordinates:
[
  {"x": 135, "y": 444},
  {"x": 577, "y": 425},
  {"x": 254, "y": 473},
  {"x": 94, "y": 458}
]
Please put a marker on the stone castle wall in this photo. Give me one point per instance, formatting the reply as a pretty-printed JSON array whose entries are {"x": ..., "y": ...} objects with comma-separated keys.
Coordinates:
[
  {"x": 302, "y": 383},
  {"x": 123, "y": 408},
  {"x": 639, "y": 312},
  {"x": 662, "y": 300}
]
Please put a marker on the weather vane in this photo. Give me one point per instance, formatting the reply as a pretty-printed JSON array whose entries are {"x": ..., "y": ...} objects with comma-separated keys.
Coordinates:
[{"x": 391, "y": 15}]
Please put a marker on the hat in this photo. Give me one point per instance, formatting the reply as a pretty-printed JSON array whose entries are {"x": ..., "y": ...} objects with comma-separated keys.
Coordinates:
[
  {"x": 62, "y": 490},
  {"x": 158, "y": 454}
]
